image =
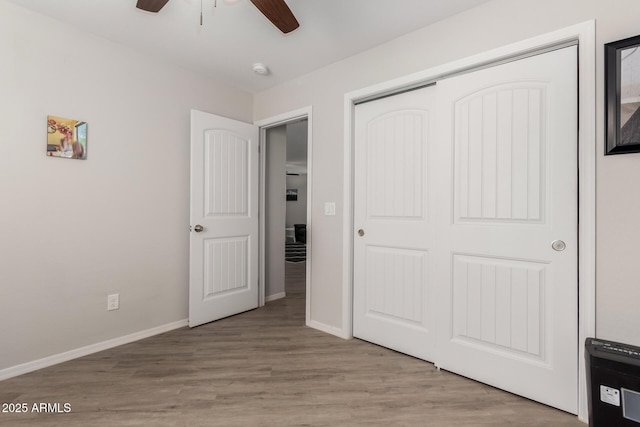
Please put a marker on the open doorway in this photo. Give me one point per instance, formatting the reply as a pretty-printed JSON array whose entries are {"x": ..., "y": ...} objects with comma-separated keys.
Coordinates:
[
  {"x": 296, "y": 211},
  {"x": 286, "y": 207}
]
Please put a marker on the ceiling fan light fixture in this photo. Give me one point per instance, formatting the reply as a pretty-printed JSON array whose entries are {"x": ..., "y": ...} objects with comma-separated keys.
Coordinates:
[{"x": 260, "y": 68}]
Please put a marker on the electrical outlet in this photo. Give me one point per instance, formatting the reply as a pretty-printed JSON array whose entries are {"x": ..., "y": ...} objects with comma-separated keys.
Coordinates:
[{"x": 113, "y": 302}]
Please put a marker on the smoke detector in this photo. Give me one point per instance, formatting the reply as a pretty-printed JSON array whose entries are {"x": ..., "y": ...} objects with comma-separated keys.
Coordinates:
[{"x": 261, "y": 69}]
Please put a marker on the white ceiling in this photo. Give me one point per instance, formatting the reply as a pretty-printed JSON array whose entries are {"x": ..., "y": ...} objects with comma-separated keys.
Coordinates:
[{"x": 235, "y": 36}]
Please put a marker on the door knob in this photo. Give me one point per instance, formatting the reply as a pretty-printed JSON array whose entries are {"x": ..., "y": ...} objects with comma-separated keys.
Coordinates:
[
  {"x": 558, "y": 245},
  {"x": 361, "y": 232},
  {"x": 198, "y": 228}
]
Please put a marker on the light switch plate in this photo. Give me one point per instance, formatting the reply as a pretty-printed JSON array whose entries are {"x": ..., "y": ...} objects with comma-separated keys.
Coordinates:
[{"x": 329, "y": 208}]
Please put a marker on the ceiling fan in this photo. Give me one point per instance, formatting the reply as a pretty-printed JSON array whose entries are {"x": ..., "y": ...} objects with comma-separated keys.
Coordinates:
[{"x": 275, "y": 11}]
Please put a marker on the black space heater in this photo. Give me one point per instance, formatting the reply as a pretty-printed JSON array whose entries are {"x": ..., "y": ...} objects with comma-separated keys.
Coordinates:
[{"x": 613, "y": 383}]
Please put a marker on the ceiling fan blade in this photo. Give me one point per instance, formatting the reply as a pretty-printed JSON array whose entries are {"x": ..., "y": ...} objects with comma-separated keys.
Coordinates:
[
  {"x": 278, "y": 13},
  {"x": 151, "y": 5}
]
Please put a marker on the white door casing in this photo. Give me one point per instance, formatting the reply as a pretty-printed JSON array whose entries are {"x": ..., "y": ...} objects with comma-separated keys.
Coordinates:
[
  {"x": 223, "y": 268},
  {"x": 393, "y": 223},
  {"x": 305, "y": 113},
  {"x": 504, "y": 181}
]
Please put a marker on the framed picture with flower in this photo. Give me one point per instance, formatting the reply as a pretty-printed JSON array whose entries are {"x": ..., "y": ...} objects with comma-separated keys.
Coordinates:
[{"x": 66, "y": 138}]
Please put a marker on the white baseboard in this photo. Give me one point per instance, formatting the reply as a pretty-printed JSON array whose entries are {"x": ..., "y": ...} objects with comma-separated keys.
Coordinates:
[
  {"x": 328, "y": 329},
  {"x": 274, "y": 297},
  {"x": 24, "y": 368}
]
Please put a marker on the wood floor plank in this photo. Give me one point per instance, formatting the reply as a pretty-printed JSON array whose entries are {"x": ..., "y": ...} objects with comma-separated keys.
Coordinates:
[{"x": 264, "y": 368}]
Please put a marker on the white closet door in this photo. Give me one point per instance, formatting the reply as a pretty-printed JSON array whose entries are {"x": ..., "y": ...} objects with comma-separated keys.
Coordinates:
[
  {"x": 466, "y": 193},
  {"x": 507, "y": 310},
  {"x": 392, "y": 287}
]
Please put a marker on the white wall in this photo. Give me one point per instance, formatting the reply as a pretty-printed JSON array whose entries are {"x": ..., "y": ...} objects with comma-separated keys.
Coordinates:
[
  {"x": 73, "y": 231},
  {"x": 488, "y": 26},
  {"x": 276, "y": 152}
]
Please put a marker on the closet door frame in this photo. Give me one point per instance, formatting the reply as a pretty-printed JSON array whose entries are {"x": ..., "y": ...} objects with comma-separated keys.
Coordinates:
[{"x": 582, "y": 35}]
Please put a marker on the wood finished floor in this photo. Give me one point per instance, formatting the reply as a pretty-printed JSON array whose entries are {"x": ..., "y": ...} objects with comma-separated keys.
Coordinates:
[{"x": 264, "y": 368}]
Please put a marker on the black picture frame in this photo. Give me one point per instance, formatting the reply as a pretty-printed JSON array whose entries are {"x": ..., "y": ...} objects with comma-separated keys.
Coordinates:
[{"x": 622, "y": 78}]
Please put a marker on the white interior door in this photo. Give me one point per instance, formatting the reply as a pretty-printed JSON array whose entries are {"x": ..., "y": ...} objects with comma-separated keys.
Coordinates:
[
  {"x": 393, "y": 222},
  {"x": 223, "y": 271},
  {"x": 510, "y": 295},
  {"x": 458, "y": 264}
]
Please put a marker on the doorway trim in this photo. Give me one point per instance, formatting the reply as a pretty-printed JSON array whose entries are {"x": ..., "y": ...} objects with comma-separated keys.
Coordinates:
[
  {"x": 584, "y": 35},
  {"x": 264, "y": 125}
]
